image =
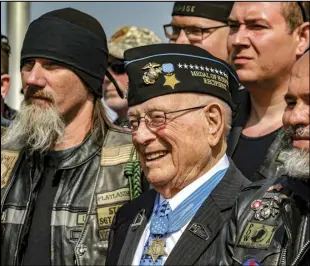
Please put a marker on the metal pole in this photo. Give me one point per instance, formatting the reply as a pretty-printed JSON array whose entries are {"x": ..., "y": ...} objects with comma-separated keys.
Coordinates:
[{"x": 18, "y": 15}]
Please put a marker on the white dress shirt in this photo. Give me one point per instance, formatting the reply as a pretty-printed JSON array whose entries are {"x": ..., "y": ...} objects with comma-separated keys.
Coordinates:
[{"x": 174, "y": 202}]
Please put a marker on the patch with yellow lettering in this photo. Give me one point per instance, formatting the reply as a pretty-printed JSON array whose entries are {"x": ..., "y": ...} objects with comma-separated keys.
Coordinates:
[
  {"x": 118, "y": 195},
  {"x": 8, "y": 161},
  {"x": 105, "y": 215},
  {"x": 115, "y": 155},
  {"x": 257, "y": 235},
  {"x": 104, "y": 234}
]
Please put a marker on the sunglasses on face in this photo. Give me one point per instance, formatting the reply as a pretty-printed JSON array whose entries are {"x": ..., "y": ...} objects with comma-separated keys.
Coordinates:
[{"x": 117, "y": 66}]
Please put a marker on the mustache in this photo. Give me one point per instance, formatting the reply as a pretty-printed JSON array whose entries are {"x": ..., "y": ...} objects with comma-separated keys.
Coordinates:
[
  {"x": 38, "y": 93},
  {"x": 298, "y": 131}
]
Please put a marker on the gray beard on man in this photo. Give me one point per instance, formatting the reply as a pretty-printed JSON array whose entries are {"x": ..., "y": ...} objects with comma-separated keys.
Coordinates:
[
  {"x": 296, "y": 161},
  {"x": 38, "y": 128}
]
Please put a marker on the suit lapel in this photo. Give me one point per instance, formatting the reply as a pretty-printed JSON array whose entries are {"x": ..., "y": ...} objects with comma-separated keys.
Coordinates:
[
  {"x": 208, "y": 221},
  {"x": 198, "y": 235},
  {"x": 134, "y": 233}
]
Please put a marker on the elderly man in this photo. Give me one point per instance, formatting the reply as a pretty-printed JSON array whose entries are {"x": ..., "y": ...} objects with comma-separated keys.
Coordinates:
[
  {"x": 7, "y": 113},
  {"x": 270, "y": 223},
  {"x": 203, "y": 24},
  {"x": 265, "y": 40},
  {"x": 179, "y": 112},
  {"x": 62, "y": 162},
  {"x": 124, "y": 38}
]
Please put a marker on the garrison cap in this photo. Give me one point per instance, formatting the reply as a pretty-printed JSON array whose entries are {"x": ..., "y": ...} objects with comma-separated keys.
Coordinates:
[
  {"x": 129, "y": 37},
  {"x": 218, "y": 11},
  {"x": 161, "y": 69}
]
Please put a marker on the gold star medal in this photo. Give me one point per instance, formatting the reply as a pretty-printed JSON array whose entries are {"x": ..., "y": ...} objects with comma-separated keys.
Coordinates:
[
  {"x": 170, "y": 79},
  {"x": 156, "y": 249}
]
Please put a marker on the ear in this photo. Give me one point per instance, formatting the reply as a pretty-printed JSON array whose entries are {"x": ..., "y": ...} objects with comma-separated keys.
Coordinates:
[
  {"x": 303, "y": 38},
  {"x": 5, "y": 85},
  {"x": 215, "y": 117}
]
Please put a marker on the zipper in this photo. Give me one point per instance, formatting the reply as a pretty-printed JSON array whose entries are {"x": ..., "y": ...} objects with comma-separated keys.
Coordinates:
[
  {"x": 77, "y": 260},
  {"x": 283, "y": 256},
  {"x": 301, "y": 253}
]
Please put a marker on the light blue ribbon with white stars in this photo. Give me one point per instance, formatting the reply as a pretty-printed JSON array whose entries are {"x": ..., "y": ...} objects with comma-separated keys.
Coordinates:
[{"x": 176, "y": 219}]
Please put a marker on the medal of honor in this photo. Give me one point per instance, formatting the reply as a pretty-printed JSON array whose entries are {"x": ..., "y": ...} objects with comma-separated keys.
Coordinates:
[{"x": 156, "y": 249}]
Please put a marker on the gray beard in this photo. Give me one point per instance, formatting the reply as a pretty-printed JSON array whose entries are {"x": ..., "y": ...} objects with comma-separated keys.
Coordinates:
[
  {"x": 38, "y": 128},
  {"x": 296, "y": 163}
]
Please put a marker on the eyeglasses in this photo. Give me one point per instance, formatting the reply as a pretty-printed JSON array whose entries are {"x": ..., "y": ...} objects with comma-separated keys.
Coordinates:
[
  {"x": 194, "y": 34},
  {"x": 117, "y": 66},
  {"x": 155, "y": 119}
]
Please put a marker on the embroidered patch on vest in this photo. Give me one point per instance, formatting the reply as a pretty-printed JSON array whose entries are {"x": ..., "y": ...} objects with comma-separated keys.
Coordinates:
[
  {"x": 280, "y": 157},
  {"x": 8, "y": 161},
  {"x": 104, "y": 234},
  {"x": 115, "y": 155},
  {"x": 257, "y": 235},
  {"x": 80, "y": 219},
  {"x": 105, "y": 215},
  {"x": 118, "y": 195}
]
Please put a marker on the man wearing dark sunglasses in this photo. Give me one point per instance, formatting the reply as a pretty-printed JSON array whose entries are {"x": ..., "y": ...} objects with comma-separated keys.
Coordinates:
[
  {"x": 123, "y": 39},
  {"x": 203, "y": 24}
]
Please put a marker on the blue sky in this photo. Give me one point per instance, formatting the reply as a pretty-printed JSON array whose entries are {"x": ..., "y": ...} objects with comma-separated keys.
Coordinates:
[{"x": 111, "y": 15}]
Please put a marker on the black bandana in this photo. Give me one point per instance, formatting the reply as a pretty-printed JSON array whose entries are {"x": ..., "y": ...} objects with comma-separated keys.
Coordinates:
[
  {"x": 218, "y": 11},
  {"x": 73, "y": 38},
  {"x": 161, "y": 69}
]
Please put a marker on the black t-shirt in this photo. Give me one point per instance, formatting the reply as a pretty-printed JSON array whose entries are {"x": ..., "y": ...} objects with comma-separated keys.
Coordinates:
[
  {"x": 250, "y": 153},
  {"x": 38, "y": 249}
]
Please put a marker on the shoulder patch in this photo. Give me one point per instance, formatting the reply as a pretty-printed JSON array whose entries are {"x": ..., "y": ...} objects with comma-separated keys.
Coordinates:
[
  {"x": 115, "y": 155},
  {"x": 8, "y": 161}
]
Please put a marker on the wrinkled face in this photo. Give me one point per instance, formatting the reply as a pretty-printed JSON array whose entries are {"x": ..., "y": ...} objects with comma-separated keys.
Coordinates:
[
  {"x": 46, "y": 84},
  {"x": 177, "y": 152},
  {"x": 296, "y": 114},
  {"x": 215, "y": 43},
  {"x": 111, "y": 96},
  {"x": 259, "y": 43}
]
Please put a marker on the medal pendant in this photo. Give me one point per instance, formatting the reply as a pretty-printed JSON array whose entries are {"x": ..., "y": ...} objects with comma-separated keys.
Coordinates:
[{"x": 157, "y": 249}]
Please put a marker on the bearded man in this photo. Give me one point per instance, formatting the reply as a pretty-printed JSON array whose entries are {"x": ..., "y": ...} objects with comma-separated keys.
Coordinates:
[
  {"x": 271, "y": 226},
  {"x": 62, "y": 161}
]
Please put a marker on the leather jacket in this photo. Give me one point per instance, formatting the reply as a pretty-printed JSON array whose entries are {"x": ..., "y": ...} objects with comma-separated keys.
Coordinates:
[
  {"x": 91, "y": 187},
  {"x": 269, "y": 225}
]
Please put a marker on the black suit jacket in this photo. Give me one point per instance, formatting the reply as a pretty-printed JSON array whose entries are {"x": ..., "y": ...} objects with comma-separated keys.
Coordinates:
[{"x": 191, "y": 249}]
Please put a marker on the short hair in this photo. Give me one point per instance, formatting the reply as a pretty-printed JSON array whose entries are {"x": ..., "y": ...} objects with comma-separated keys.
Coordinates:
[
  {"x": 295, "y": 13},
  {"x": 5, "y": 51}
]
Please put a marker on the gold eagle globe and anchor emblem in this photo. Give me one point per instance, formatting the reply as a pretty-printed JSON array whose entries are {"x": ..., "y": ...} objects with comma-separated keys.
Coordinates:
[{"x": 150, "y": 76}]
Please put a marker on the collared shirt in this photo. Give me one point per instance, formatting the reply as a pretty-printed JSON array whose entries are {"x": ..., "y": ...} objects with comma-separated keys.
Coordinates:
[{"x": 174, "y": 202}]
